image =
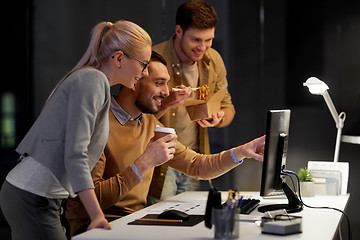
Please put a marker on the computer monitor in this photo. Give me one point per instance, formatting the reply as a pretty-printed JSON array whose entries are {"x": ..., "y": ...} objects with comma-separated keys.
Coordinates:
[{"x": 276, "y": 143}]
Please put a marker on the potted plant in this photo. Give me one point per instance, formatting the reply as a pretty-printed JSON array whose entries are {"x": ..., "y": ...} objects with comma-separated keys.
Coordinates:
[{"x": 306, "y": 183}]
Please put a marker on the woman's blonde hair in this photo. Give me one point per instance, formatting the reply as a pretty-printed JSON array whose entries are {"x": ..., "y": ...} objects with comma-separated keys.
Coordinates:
[{"x": 106, "y": 39}]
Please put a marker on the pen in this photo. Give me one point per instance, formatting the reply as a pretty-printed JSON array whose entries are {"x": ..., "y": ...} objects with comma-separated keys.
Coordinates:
[
  {"x": 230, "y": 193},
  {"x": 158, "y": 220},
  {"x": 240, "y": 202}
]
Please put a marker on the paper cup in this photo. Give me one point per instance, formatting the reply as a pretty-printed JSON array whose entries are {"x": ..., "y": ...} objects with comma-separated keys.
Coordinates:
[{"x": 162, "y": 131}]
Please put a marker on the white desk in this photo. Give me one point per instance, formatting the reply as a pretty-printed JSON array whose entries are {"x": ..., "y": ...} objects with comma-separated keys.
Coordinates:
[
  {"x": 317, "y": 223},
  {"x": 350, "y": 139}
]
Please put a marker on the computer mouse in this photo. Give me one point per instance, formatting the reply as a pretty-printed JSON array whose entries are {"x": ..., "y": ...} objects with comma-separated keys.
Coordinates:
[{"x": 173, "y": 214}]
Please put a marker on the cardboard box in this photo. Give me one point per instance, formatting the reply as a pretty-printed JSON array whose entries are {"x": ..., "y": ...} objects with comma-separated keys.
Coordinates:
[{"x": 201, "y": 109}]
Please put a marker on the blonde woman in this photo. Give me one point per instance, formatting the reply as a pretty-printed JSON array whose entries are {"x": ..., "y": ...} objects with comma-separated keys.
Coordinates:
[{"x": 68, "y": 137}]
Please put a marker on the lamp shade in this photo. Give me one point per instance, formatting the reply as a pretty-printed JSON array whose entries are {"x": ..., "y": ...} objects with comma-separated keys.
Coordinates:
[{"x": 316, "y": 86}]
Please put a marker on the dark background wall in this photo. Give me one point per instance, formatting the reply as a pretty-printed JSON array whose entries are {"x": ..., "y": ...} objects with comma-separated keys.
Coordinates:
[{"x": 269, "y": 47}]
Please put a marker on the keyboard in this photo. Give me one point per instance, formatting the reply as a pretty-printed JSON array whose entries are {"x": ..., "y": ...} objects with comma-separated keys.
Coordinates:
[{"x": 248, "y": 205}]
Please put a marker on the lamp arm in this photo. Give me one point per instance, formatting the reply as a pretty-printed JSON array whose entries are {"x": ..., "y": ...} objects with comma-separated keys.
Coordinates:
[
  {"x": 337, "y": 144},
  {"x": 339, "y": 120},
  {"x": 332, "y": 108}
]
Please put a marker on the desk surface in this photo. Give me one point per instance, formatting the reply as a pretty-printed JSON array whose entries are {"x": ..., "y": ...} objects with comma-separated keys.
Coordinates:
[
  {"x": 317, "y": 223},
  {"x": 351, "y": 139}
]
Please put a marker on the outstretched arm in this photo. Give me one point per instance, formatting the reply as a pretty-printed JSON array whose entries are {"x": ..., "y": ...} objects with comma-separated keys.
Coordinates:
[
  {"x": 253, "y": 149},
  {"x": 208, "y": 166}
]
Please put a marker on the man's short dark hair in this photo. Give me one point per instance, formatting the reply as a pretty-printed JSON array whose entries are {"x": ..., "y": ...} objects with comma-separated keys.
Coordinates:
[
  {"x": 196, "y": 13},
  {"x": 158, "y": 58}
]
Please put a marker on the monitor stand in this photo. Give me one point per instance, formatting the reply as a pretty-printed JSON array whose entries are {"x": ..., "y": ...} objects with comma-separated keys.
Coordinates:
[{"x": 294, "y": 205}]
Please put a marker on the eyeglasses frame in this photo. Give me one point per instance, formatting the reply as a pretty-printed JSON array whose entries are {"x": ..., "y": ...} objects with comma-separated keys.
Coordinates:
[{"x": 144, "y": 63}]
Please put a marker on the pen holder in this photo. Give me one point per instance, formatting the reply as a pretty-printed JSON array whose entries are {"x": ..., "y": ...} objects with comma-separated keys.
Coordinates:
[{"x": 224, "y": 222}]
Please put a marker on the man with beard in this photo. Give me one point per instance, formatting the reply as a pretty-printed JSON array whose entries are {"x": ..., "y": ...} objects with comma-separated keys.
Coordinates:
[
  {"x": 123, "y": 174},
  {"x": 191, "y": 63}
]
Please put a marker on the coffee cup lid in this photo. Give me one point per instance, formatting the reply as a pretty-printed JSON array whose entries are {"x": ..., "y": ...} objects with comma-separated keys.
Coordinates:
[{"x": 164, "y": 129}]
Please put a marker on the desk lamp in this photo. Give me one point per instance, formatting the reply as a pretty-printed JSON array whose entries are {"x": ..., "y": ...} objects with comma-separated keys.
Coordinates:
[{"x": 317, "y": 87}]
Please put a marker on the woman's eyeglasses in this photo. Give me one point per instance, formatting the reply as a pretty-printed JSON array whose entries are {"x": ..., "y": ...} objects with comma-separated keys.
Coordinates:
[{"x": 143, "y": 63}]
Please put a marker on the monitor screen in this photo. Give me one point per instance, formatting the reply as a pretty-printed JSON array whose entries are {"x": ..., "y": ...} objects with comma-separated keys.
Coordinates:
[{"x": 276, "y": 141}]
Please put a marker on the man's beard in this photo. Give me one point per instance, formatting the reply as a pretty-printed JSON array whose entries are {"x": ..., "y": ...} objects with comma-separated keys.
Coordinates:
[{"x": 146, "y": 107}]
